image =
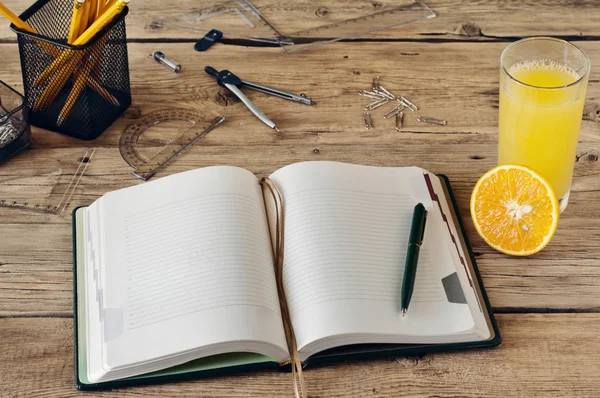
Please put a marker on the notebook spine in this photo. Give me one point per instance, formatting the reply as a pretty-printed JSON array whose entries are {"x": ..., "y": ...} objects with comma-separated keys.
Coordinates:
[{"x": 436, "y": 199}]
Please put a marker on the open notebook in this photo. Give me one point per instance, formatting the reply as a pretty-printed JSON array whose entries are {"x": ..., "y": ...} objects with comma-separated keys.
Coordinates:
[{"x": 175, "y": 278}]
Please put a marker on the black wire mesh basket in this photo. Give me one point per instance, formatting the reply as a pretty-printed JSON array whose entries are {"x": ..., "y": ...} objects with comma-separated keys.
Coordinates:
[{"x": 78, "y": 91}]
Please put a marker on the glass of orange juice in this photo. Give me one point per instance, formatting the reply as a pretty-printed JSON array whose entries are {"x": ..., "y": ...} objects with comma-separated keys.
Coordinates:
[{"x": 542, "y": 92}]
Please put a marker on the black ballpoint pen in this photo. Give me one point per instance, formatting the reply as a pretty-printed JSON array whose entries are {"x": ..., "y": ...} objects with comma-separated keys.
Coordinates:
[{"x": 417, "y": 231}]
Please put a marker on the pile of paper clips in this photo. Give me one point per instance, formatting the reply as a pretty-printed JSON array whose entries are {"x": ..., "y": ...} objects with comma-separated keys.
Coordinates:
[{"x": 382, "y": 97}]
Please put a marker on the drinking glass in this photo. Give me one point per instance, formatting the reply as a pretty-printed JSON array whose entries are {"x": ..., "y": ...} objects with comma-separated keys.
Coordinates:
[{"x": 543, "y": 82}]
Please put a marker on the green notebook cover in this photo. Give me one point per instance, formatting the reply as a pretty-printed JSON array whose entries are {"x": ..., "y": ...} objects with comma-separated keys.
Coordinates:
[
  {"x": 242, "y": 362},
  {"x": 205, "y": 367}
]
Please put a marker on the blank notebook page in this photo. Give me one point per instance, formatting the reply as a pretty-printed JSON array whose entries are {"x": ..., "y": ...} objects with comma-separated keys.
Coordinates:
[
  {"x": 188, "y": 263},
  {"x": 346, "y": 233}
]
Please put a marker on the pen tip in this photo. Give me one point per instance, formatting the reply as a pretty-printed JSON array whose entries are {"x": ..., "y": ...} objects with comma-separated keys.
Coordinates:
[
  {"x": 403, "y": 312},
  {"x": 276, "y": 129}
]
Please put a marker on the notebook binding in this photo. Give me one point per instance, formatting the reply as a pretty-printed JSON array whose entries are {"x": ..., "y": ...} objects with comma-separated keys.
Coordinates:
[{"x": 436, "y": 199}]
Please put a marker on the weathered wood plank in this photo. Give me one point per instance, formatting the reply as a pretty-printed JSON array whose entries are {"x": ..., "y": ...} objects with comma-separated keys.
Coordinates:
[
  {"x": 541, "y": 355},
  {"x": 456, "y": 20},
  {"x": 36, "y": 279},
  {"x": 454, "y": 81}
]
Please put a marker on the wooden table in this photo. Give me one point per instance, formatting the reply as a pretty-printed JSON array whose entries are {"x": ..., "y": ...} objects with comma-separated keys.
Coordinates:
[{"x": 547, "y": 305}]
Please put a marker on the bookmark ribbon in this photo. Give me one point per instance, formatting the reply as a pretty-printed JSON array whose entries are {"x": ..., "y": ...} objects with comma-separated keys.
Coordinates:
[{"x": 290, "y": 337}]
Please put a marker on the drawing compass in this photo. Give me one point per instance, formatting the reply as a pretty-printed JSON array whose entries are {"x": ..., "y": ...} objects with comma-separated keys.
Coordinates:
[{"x": 230, "y": 81}]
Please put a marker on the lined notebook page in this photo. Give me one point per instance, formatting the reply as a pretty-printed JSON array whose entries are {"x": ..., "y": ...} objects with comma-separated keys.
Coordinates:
[
  {"x": 345, "y": 244},
  {"x": 188, "y": 264},
  {"x": 346, "y": 233},
  {"x": 193, "y": 256}
]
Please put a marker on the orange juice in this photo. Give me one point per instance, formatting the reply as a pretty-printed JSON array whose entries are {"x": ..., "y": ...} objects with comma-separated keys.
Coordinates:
[{"x": 540, "y": 117}]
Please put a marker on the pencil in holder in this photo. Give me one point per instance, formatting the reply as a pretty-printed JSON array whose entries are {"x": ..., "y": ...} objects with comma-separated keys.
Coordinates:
[{"x": 74, "y": 90}]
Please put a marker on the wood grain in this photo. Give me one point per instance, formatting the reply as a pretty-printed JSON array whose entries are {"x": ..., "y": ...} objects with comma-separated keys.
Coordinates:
[
  {"x": 449, "y": 67},
  {"x": 541, "y": 355},
  {"x": 453, "y": 81},
  {"x": 36, "y": 279},
  {"x": 456, "y": 20}
]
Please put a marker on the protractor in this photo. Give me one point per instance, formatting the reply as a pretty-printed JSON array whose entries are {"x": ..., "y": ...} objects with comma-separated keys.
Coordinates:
[{"x": 160, "y": 137}]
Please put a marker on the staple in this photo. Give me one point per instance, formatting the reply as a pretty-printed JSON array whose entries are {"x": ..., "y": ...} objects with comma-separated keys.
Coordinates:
[
  {"x": 399, "y": 121},
  {"x": 431, "y": 120},
  {"x": 376, "y": 104},
  {"x": 394, "y": 111},
  {"x": 412, "y": 106},
  {"x": 368, "y": 120}
]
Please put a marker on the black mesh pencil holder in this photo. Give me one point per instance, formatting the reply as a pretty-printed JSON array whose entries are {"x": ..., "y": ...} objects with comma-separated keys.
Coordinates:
[{"x": 77, "y": 91}]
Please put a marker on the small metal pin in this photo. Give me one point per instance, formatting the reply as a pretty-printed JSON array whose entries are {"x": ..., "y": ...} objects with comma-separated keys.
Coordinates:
[
  {"x": 376, "y": 83},
  {"x": 431, "y": 120},
  {"x": 399, "y": 121},
  {"x": 384, "y": 92},
  {"x": 371, "y": 94},
  {"x": 394, "y": 111},
  {"x": 376, "y": 104},
  {"x": 412, "y": 106},
  {"x": 368, "y": 120}
]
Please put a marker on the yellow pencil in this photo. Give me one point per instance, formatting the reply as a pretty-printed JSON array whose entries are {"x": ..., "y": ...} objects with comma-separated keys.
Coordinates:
[
  {"x": 54, "y": 66},
  {"x": 87, "y": 73},
  {"x": 54, "y": 88},
  {"x": 19, "y": 23},
  {"x": 108, "y": 4},
  {"x": 12, "y": 17},
  {"x": 56, "y": 84},
  {"x": 85, "y": 15},
  {"x": 75, "y": 21},
  {"x": 50, "y": 93},
  {"x": 90, "y": 32},
  {"x": 101, "y": 22},
  {"x": 93, "y": 9},
  {"x": 78, "y": 87},
  {"x": 97, "y": 87},
  {"x": 100, "y": 7}
]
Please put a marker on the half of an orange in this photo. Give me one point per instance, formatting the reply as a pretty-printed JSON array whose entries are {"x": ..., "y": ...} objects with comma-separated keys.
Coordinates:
[{"x": 514, "y": 210}]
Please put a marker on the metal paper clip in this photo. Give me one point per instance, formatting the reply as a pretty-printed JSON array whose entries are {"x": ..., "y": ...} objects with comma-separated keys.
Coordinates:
[
  {"x": 399, "y": 120},
  {"x": 376, "y": 104},
  {"x": 409, "y": 104},
  {"x": 371, "y": 94},
  {"x": 394, "y": 111},
  {"x": 431, "y": 120},
  {"x": 376, "y": 83},
  {"x": 384, "y": 92},
  {"x": 368, "y": 120}
]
